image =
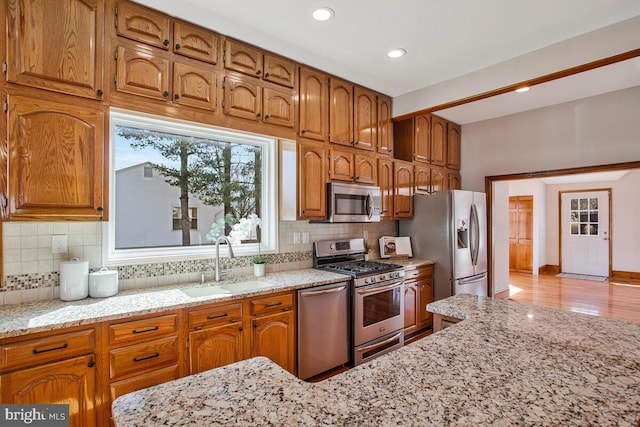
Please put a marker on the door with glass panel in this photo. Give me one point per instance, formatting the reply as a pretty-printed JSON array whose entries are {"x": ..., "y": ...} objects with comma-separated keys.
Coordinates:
[{"x": 584, "y": 232}]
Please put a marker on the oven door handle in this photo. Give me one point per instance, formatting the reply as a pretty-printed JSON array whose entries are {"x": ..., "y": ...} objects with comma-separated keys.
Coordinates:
[
  {"x": 328, "y": 291},
  {"x": 378, "y": 344},
  {"x": 375, "y": 290}
]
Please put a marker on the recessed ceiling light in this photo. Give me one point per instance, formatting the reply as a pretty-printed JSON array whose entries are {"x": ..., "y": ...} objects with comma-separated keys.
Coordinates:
[
  {"x": 323, "y": 14},
  {"x": 396, "y": 53},
  {"x": 522, "y": 89}
]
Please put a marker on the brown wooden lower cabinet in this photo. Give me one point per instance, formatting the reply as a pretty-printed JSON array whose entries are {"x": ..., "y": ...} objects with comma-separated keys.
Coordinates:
[
  {"x": 418, "y": 292},
  {"x": 441, "y": 322},
  {"x": 273, "y": 337}
]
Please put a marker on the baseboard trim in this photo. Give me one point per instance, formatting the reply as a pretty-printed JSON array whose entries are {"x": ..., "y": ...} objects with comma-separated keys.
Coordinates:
[
  {"x": 625, "y": 275},
  {"x": 549, "y": 269}
]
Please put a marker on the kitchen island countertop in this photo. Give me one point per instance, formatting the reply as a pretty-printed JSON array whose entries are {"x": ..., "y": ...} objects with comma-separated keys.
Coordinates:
[{"x": 507, "y": 364}]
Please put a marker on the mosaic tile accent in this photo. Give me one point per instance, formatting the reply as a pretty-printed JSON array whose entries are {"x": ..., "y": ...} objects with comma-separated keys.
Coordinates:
[{"x": 141, "y": 271}]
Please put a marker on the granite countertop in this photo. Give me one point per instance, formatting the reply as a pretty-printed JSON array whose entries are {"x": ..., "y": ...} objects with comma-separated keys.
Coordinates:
[
  {"x": 508, "y": 364},
  {"x": 39, "y": 316}
]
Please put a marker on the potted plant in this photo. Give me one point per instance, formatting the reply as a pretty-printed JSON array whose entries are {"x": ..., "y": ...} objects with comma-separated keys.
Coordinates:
[
  {"x": 259, "y": 263},
  {"x": 366, "y": 249}
]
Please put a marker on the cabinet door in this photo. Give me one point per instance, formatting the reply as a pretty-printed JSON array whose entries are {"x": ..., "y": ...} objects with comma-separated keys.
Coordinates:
[
  {"x": 438, "y": 180},
  {"x": 341, "y": 165},
  {"x": 143, "y": 24},
  {"x": 215, "y": 347},
  {"x": 142, "y": 73},
  {"x": 340, "y": 112},
  {"x": 422, "y": 179},
  {"x": 410, "y": 307},
  {"x": 273, "y": 337},
  {"x": 425, "y": 293},
  {"x": 453, "y": 146},
  {"x": 313, "y": 104},
  {"x": 365, "y": 170},
  {"x": 279, "y": 70},
  {"x": 365, "y": 119},
  {"x": 242, "y": 58},
  {"x": 242, "y": 98},
  {"x": 195, "y": 86},
  {"x": 195, "y": 42},
  {"x": 57, "y": 45},
  {"x": 312, "y": 178},
  {"x": 438, "y": 141},
  {"x": 403, "y": 190},
  {"x": 70, "y": 382},
  {"x": 422, "y": 139},
  {"x": 454, "y": 181},
  {"x": 278, "y": 107},
  {"x": 385, "y": 181},
  {"x": 385, "y": 130},
  {"x": 55, "y": 160}
]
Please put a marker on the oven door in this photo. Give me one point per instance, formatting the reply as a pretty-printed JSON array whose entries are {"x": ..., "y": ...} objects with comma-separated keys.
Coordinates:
[{"x": 378, "y": 311}]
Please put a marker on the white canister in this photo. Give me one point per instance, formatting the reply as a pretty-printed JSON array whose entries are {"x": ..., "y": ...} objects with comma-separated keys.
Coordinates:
[
  {"x": 74, "y": 279},
  {"x": 103, "y": 283}
]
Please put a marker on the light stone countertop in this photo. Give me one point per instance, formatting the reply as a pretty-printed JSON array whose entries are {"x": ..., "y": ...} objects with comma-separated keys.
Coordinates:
[
  {"x": 508, "y": 364},
  {"x": 21, "y": 319}
]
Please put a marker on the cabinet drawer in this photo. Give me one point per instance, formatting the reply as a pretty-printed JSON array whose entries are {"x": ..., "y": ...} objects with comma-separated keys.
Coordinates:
[
  {"x": 141, "y": 330},
  {"x": 215, "y": 316},
  {"x": 271, "y": 304},
  {"x": 129, "y": 385},
  {"x": 139, "y": 358},
  {"x": 42, "y": 350},
  {"x": 420, "y": 272}
]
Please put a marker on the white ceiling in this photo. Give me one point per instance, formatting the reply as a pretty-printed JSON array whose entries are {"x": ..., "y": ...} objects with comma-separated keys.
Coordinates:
[{"x": 445, "y": 39}]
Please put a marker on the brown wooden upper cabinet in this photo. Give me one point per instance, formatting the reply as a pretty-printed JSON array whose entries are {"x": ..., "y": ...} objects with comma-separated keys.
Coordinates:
[
  {"x": 57, "y": 45},
  {"x": 385, "y": 129},
  {"x": 429, "y": 179},
  {"x": 313, "y": 104},
  {"x": 403, "y": 190},
  {"x": 351, "y": 166},
  {"x": 365, "y": 115},
  {"x": 453, "y": 146},
  {"x": 250, "y": 60},
  {"x": 245, "y": 98},
  {"x": 153, "y": 28},
  {"x": 312, "y": 179},
  {"x": 438, "y": 141},
  {"x": 142, "y": 24},
  {"x": 55, "y": 159},
  {"x": 340, "y": 112},
  {"x": 385, "y": 182}
]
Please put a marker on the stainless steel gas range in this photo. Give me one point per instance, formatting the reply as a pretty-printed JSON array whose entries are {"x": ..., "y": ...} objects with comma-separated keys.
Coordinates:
[{"x": 377, "y": 296}]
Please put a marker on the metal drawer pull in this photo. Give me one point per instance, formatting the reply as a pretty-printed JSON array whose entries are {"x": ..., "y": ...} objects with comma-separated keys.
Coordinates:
[
  {"x": 217, "y": 317},
  {"x": 62, "y": 347},
  {"x": 142, "y": 331},
  {"x": 273, "y": 305},
  {"x": 378, "y": 344},
  {"x": 328, "y": 291},
  {"x": 140, "y": 359}
]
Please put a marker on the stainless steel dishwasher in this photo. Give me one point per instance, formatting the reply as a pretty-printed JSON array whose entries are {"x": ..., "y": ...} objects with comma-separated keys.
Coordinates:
[{"x": 323, "y": 328}]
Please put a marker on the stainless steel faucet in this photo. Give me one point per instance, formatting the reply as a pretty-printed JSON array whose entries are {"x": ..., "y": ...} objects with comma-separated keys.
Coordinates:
[{"x": 217, "y": 260}]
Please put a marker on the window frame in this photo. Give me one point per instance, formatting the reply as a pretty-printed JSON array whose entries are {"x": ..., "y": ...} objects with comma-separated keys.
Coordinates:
[{"x": 269, "y": 209}]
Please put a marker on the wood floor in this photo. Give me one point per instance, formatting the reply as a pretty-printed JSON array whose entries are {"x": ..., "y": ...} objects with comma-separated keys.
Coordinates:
[{"x": 608, "y": 299}]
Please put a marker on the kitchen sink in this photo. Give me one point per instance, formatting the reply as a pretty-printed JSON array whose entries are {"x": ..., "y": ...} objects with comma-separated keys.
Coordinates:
[
  {"x": 205, "y": 291},
  {"x": 246, "y": 286}
]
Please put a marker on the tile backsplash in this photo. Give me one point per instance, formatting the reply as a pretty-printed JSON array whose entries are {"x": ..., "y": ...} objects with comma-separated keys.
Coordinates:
[{"x": 31, "y": 271}]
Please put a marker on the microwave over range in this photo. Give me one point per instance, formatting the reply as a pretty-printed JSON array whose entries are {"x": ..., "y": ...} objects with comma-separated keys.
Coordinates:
[{"x": 352, "y": 203}]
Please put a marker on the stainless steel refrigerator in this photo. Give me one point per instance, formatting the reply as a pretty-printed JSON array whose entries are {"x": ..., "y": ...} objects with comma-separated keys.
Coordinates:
[{"x": 450, "y": 227}]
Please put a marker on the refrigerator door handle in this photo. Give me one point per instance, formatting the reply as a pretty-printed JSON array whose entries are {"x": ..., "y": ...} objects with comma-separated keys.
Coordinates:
[
  {"x": 475, "y": 238},
  {"x": 473, "y": 279}
]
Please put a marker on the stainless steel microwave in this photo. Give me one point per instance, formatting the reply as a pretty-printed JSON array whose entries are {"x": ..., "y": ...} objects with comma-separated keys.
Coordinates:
[{"x": 353, "y": 203}]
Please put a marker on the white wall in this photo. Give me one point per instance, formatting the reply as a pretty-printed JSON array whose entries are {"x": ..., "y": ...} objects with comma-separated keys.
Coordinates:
[
  {"x": 592, "y": 131},
  {"x": 625, "y": 232},
  {"x": 500, "y": 236},
  {"x": 535, "y": 188}
]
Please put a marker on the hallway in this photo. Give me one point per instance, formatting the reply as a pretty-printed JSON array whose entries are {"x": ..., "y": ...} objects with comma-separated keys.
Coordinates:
[{"x": 608, "y": 299}]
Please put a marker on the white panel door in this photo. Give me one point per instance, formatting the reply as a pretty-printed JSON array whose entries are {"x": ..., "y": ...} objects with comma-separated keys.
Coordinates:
[{"x": 585, "y": 232}]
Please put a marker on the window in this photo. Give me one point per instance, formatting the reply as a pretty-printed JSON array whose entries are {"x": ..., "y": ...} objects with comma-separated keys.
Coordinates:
[
  {"x": 584, "y": 217},
  {"x": 224, "y": 181},
  {"x": 177, "y": 218}
]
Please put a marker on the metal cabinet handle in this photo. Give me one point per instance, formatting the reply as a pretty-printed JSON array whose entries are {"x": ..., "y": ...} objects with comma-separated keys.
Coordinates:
[
  {"x": 46, "y": 350},
  {"x": 141, "y": 359},
  {"x": 166, "y": 42},
  {"x": 142, "y": 331},
  {"x": 328, "y": 291},
  {"x": 178, "y": 46},
  {"x": 273, "y": 305},
  {"x": 165, "y": 93},
  {"x": 267, "y": 74}
]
